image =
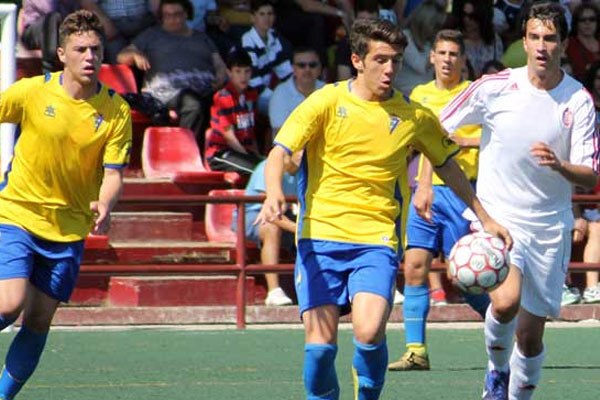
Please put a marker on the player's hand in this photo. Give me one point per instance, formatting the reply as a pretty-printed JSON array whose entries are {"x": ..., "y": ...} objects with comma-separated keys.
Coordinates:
[
  {"x": 101, "y": 218},
  {"x": 273, "y": 209},
  {"x": 579, "y": 230},
  {"x": 495, "y": 229},
  {"x": 422, "y": 201},
  {"x": 545, "y": 156}
]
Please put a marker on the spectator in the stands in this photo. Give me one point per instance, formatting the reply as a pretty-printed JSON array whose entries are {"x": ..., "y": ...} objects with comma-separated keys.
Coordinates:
[
  {"x": 273, "y": 236},
  {"x": 365, "y": 9},
  {"x": 231, "y": 141},
  {"x": 269, "y": 60},
  {"x": 288, "y": 94},
  {"x": 584, "y": 48},
  {"x": 182, "y": 66},
  {"x": 475, "y": 20},
  {"x": 122, "y": 20},
  {"x": 421, "y": 27},
  {"x": 38, "y": 27}
]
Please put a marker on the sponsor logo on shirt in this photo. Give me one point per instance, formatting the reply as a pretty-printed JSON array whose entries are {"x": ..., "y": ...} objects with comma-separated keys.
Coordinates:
[
  {"x": 50, "y": 112},
  {"x": 341, "y": 112},
  {"x": 98, "y": 118}
]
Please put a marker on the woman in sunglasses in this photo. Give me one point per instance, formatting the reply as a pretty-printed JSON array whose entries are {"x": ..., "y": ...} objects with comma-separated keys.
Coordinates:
[{"x": 584, "y": 49}]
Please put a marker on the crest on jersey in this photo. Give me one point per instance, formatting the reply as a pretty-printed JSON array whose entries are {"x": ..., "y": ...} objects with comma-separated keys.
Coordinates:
[
  {"x": 567, "y": 118},
  {"x": 394, "y": 121},
  {"x": 50, "y": 112},
  {"x": 341, "y": 112},
  {"x": 98, "y": 121}
]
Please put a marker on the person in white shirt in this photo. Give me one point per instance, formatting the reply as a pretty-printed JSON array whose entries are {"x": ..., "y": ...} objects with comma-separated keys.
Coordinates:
[
  {"x": 538, "y": 139},
  {"x": 288, "y": 94}
]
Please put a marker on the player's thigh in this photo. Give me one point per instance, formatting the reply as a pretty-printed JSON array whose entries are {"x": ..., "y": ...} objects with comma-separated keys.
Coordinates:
[
  {"x": 16, "y": 263},
  {"x": 530, "y": 333},
  {"x": 370, "y": 313},
  {"x": 321, "y": 324},
  {"x": 39, "y": 310}
]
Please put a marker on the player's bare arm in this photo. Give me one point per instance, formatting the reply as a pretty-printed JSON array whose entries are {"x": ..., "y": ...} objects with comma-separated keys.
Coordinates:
[
  {"x": 112, "y": 185},
  {"x": 423, "y": 198},
  {"x": 274, "y": 205},
  {"x": 579, "y": 175},
  {"x": 466, "y": 143},
  {"x": 455, "y": 178}
]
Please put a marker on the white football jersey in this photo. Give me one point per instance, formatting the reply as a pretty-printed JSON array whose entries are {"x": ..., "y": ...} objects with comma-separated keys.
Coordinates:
[{"x": 514, "y": 115}]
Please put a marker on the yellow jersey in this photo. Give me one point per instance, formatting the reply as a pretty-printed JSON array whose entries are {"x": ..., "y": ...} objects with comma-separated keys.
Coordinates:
[
  {"x": 353, "y": 180},
  {"x": 428, "y": 95},
  {"x": 61, "y": 147}
]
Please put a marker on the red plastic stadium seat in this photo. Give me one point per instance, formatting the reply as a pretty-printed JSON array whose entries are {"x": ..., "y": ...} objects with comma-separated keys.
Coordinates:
[
  {"x": 96, "y": 242},
  {"x": 172, "y": 152},
  {"x": 232, "y": 177},
  {"x": 121, "y": 78},
  {"x": 218, "y": 217}
]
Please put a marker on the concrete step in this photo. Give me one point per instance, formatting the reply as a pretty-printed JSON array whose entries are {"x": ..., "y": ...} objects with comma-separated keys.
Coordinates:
[
  {"x": 168, "y": 252},
  {"x": 151, "y": 226},
  {"x": 77, "y": 316},
  {"x": 153, "y": 291}
]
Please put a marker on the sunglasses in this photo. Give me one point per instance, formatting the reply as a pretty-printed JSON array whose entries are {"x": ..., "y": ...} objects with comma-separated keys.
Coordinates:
[
  {"x": 302, "y": 65},
  {"x": 587, "y": 19}
]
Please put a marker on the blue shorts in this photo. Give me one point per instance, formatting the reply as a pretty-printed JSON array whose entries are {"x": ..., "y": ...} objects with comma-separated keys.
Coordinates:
[
  {"x": 448, "y": 225},
  {"x": 330, "y": 272},
  {"x": 52, "y": 267}
]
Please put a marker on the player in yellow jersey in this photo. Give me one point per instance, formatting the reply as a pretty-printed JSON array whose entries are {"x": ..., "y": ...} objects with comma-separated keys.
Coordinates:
[
  {"x": 447, "y": 218},
  {"x": 352, "y": 186},
  {"x": 66, "y": 174}
]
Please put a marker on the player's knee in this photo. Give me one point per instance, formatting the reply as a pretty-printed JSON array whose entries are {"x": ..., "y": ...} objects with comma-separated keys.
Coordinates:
[
  {"x": 10, "y": 309},
  {"x": 368, "y": 334},
  {"x": 530, "y": 344},
  {"x": 415, "y": 271},
  {"x": 38, "y": 321},
  {"x": 505, "y": 308}
]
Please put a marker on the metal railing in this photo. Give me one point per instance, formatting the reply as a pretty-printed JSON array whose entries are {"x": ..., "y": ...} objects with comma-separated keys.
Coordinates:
[{"x": 241, "y": 268}]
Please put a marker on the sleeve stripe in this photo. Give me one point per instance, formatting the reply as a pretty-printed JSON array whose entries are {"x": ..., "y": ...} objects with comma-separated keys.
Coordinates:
[
  {"x": 287, "y": 150},
  {"x": 465, "y": 94},
  {"x": 115, "y": 166}
]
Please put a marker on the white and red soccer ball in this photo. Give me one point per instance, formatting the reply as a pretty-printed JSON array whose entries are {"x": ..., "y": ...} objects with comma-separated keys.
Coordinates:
[{"x": 478, "y": 263}]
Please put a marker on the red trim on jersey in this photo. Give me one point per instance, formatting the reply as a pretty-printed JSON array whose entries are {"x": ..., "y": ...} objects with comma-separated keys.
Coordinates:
[
  {"x": 595, "y": 141},
  {"x": 462, "y": 97}
]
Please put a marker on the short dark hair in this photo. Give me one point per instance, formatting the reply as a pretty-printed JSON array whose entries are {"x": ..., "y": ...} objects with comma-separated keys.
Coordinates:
[
  {"x": 186, "y": 4},
  {"x": 256, "y": 4},
  {"x": 450, "y": 35},
  {"x": 302, "y": 50},
  {"x": 238, "y": 58},
  {"x": 79, "y": 22},
  {"x": 548, "y": 11},
  {"x": 381, "y": 30}
]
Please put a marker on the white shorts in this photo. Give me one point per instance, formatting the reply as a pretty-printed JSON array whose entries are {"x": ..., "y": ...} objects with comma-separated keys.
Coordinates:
[{"x": 543, "y": 257}]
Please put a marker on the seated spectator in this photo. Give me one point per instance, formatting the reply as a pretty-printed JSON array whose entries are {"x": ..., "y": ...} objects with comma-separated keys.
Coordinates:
[
  {"x": 272, "y": 237},
  {"x": 475, "y": 20},
  {"x": 421, "y": 27},
  {"x": 304, "y": 81},
  {"x": 266, "y": 52},
  {"x": 182, "y": 66},
  {"x": 584, "y": 48},
  {"x": 38, "y": 27},
  {"x": 232, "y": 145},
  {"x": 122, "y": 20}
]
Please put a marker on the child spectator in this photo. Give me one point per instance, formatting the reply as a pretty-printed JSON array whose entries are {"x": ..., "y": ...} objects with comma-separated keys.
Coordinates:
[
  {"x": 266, "y": 52},
  {"x": 271, "y": 237},
  {"x": 232, "y": 143}
]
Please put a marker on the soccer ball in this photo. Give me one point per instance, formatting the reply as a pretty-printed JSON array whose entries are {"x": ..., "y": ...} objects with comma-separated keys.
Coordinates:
[{"x": 478, "y": 263}]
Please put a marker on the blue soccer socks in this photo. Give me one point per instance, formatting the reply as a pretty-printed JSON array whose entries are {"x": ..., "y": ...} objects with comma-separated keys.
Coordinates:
[
  {"x": 415, "y": 308},
  {"x": 22, "y": 359},
  {"x": 320, "y": 378},
  {"x": 369, "y": 366}
]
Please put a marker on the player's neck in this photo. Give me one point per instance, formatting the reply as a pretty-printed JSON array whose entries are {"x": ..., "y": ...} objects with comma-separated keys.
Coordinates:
[
  {"x": 547, "y": 81},
  {"x": 446, "y": 85},
  {"x": 360, "y": 90},
  {"x": 76, "y": 89}
]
